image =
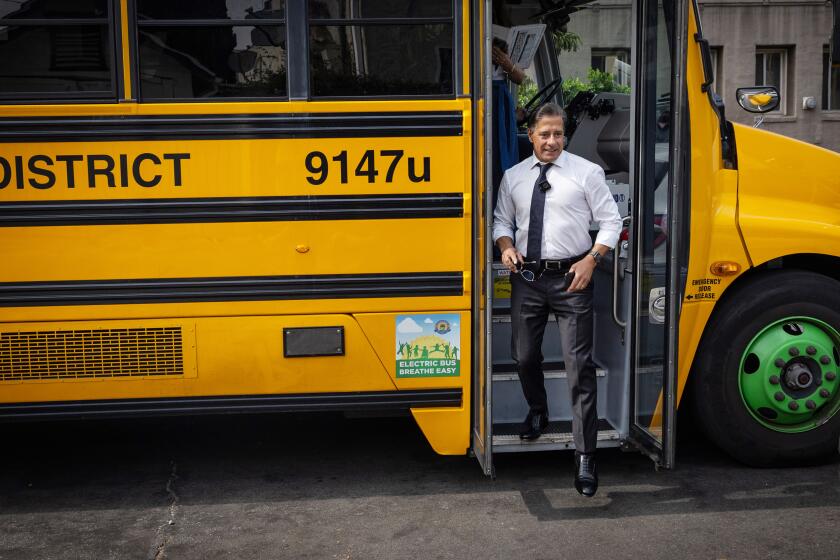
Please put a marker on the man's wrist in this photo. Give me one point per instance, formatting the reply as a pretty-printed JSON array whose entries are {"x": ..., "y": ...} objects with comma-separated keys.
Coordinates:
[{"x": 504, "y": 243}]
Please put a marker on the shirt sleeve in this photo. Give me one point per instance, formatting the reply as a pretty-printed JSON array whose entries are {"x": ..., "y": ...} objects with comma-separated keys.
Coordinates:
[
  {"x": 504, "y": 216},
  {"x": 604, "y": 209}
]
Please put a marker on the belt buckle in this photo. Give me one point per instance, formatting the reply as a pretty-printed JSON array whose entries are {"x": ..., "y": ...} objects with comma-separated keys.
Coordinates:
[{"x": 553, "y": 265}]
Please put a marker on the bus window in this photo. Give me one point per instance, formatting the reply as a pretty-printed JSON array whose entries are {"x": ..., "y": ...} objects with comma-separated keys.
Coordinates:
[
  {"x": 212, "y": 49},
  {"x": 339, "y": 9},
  {"x": 56, "y": 50},
  {"x": 354, "y": 55}
]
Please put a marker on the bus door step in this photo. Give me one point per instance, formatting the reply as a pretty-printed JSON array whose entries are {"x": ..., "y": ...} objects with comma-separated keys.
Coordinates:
[{"x": 557, "y": 436}]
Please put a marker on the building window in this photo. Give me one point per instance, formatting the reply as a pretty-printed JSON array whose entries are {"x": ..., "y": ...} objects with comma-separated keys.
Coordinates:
[
  {"x": 370, "y": 48},
  {"x": 717, "y": 68},
  {"x": 193, "y": 49},
  {"x": 771, "y": 69},
  {"x": 830, "y": 84},
  {"x": 613, "y": 61},
  {"x": 56, "y": 50}
]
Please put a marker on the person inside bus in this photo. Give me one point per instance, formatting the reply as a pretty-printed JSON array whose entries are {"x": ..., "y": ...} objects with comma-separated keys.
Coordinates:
[
  {"x": 541, "y": 226},
  {"x": 505, "y": 118},
  {"x": 663, "y": 132},
  {"x": 505, "y": 123}
]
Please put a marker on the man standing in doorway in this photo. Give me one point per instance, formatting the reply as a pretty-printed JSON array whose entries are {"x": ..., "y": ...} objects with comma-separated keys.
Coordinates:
[{"x": 541, "y": 226}]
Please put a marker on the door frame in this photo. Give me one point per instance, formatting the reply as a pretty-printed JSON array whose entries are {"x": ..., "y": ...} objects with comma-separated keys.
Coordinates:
[
  {"x": 662, "y": 452},
  {"x": 482, "y": 151}
]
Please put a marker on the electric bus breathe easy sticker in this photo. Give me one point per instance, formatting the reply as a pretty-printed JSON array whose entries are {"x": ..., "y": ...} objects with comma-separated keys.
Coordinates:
[{"x": 428, "y": 345}]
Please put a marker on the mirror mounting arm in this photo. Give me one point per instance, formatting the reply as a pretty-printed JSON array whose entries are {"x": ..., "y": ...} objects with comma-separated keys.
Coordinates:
[
  {"x": 706, "y": 56},
  {"x": 727, "y": 145}
]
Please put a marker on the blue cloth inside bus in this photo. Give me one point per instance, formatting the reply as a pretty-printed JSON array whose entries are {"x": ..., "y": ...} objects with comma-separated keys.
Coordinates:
[{"x": 505, "y": 146}]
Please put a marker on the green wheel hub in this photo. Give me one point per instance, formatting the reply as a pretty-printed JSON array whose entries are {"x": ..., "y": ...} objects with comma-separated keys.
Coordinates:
[{"x": 789, "y": 375}]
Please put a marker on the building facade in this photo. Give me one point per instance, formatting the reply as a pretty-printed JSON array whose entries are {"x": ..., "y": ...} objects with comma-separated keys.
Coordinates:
[
  {"x": 754, "y": 42},
  {"x": 782, "y": 43}
]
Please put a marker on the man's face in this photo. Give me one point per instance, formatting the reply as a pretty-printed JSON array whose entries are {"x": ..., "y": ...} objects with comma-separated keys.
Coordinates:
[{"x": 547, "y": 138}]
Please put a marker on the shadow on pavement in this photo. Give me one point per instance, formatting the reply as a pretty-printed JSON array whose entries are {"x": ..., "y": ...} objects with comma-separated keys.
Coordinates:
[{"x": 88, "y": 465}]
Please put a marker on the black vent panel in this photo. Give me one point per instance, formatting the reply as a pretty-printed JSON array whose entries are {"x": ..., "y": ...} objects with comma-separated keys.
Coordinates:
[{"x": 91, "y": 353}]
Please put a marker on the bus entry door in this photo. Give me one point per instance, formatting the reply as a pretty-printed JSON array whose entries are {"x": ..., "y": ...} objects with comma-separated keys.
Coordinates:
[{"x": 652, "y": 319}]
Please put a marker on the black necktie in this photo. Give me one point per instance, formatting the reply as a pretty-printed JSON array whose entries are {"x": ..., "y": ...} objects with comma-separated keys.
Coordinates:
[{"x": 535, "y": 225}]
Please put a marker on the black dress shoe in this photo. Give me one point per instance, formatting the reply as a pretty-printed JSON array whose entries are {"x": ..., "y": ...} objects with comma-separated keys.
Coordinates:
[
  {"x": 533, "y": 426},
  {"x": 586, "y": 476}
]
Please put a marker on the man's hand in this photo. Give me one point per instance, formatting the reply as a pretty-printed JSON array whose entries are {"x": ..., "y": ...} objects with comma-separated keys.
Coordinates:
[
  {"x": 511, "y": 258},
  {"x": 584, "y": 268},
  {"x": 583, "y": 273}
]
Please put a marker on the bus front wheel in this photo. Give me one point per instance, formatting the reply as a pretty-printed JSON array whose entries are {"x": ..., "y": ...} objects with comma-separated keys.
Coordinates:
[{"x": 767, "y": 375}]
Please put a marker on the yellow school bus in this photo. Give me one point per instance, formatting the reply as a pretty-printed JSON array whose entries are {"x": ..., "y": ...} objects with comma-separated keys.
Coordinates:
[{"x": 226, "y": 206}]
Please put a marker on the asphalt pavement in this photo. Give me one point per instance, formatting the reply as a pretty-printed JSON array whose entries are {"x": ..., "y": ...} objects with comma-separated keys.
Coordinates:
[{"x": 309, "y": 486}]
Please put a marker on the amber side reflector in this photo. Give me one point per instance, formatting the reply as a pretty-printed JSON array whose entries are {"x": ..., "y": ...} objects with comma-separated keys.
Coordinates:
[{"x": 725, "y": 268}]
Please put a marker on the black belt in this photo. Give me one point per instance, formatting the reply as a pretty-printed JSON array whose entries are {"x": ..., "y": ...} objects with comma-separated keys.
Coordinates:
[{"x": 561, "y": 265}]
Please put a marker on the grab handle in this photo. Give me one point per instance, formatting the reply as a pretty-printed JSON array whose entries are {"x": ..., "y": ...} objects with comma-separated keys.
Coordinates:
[{"x": 625, "y": 222}]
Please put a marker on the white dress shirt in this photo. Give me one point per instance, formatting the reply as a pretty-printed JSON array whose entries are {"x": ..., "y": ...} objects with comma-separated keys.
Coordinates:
[{"x": 578, "y": 196}]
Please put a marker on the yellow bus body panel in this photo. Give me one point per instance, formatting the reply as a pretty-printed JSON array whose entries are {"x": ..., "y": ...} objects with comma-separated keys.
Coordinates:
[
  {"x": 789, "y": 194},
  {"x": 447, "y": 429},
  {"x": 231, "y": 249},
  {"x": 232, "y": 355},
  {"x": 236, "y": 347},
  {"x": 783, "y": 199},
  {"x": 233, "y": 107},
  {"x": 714, "y": 234},
  {"x": 244, "y": 356},
  {"x": 236, "y": 168}
]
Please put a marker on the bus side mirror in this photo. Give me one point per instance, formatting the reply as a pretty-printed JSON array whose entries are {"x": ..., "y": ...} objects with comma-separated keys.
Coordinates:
[{"x": 761, "y": 99}]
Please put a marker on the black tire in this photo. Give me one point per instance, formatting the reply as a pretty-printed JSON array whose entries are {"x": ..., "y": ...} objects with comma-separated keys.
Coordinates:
[{"x": 718, "y": 405}]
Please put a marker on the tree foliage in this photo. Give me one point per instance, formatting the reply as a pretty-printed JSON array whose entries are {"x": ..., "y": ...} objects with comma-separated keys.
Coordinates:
[
  {"x": 566, "y": 41},
  {"x": 598, "y": 81},
  {"x": 527, "y": 90}
]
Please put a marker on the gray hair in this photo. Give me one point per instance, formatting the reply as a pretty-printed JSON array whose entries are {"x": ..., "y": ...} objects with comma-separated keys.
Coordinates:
[{"x": 547, "y": 110}]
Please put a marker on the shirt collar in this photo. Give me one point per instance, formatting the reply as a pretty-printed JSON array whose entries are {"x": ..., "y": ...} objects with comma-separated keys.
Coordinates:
[{"x": 559, "y": 162}]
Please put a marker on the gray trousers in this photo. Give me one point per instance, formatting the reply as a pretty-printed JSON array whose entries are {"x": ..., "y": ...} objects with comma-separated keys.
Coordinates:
[{"x": 531, "y": 303}]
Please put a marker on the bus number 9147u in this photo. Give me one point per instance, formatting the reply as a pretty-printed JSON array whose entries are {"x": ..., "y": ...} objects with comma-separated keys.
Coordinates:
[{"x": 317, "y": 163}]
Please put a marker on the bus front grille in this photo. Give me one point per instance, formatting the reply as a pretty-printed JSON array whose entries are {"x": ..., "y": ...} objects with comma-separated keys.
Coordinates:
[{"x": 91, "y": 353}]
